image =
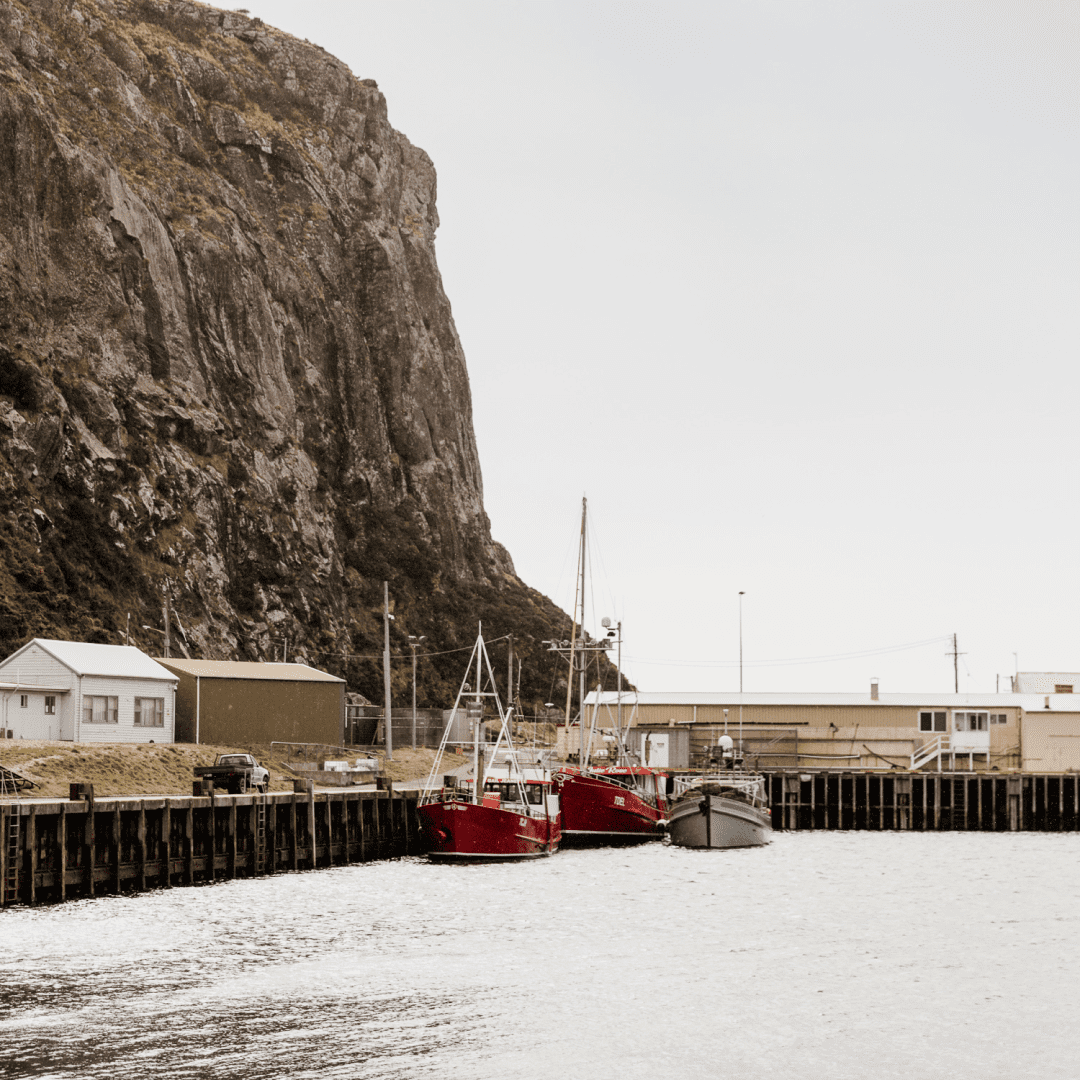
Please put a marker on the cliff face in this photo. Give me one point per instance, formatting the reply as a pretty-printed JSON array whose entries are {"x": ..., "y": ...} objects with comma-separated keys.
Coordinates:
[{"x": 228, "y": 369}]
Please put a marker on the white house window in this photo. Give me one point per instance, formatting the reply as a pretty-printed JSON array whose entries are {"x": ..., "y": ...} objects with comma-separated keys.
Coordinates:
[
  {"x": 931, "y": 721},
  {"x": 50, "y": 705},
  {"x": 970, "y": 721},
  {"x": 999, "y": 718},
  {"x": 149, "y": 712},
  {"x": 101, "y": 710},
  {"x": 24, "y": 700}
]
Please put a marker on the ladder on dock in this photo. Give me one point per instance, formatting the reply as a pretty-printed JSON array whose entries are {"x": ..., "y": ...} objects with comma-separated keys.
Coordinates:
[
  {"x": 9, "y": 886},
  {"x": 260, "y": 837}
]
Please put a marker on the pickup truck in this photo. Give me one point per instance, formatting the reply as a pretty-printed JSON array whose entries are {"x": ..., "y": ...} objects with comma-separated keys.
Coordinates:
[{"x": 236, "y": 772}]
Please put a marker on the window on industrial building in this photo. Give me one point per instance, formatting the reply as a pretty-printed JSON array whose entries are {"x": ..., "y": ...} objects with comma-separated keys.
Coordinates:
[
  {"x": 24, "y": 700},
  {"x": 1063, "y": 688},
  {"x": 999, "y": 718},
  {"x": 50, "y": 705},
  {"x": 149, "y": 712},
  {"x": 101, "y": 710},
  {"x": 931, "y": 721},
  {"x": 970, "y": 721}
]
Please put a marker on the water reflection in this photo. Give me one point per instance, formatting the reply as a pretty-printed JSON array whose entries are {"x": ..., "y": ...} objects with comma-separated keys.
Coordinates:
[{"x": 814, "y": 956}]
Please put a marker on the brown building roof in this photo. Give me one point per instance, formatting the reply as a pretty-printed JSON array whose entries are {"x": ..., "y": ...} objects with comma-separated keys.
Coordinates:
[{"x": 246, "y": 669}]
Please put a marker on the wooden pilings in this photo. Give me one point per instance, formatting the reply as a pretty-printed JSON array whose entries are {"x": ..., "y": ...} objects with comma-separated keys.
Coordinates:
[
  {"x": 71, "y": 848},
  {"x": 924, "y": 801}
]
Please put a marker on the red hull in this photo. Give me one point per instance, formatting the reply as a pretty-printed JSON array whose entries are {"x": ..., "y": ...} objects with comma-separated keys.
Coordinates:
[
  {"x": 599, "y": 811},
  {"x": 464, "y": 831}
]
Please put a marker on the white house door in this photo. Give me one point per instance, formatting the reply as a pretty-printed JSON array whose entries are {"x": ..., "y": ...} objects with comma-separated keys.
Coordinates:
[
  {"x": 65, "y": 708},
  {"x": 971, "y": 732}
]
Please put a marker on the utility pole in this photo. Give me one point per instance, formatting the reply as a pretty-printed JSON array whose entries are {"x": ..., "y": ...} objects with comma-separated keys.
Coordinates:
[
  {"x": 165, "y": 614},
  {"x": 388, "y": 735},
  {"x": 956, "y": 654}
]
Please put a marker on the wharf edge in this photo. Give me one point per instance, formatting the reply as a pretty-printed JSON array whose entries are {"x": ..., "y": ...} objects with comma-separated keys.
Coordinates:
[
  {"x": 812, "y": 799},
  {"x": 64, "y": 849}
]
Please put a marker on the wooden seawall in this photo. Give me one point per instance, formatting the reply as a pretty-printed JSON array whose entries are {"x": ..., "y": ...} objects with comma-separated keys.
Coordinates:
[
  {"x": 62, "y": 849},
  {"x": 924, "y": 801}
]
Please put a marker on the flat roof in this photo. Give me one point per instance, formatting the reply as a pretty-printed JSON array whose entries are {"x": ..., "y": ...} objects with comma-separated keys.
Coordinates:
[
  {"x": 1027, "y": 702},
  {"x": 246, "y": 669}
]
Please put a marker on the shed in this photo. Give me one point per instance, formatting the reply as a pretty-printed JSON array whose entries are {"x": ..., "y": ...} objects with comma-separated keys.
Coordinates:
[
  {"x": 230, "y": 702},
  {"x": 81, "y": 691}
]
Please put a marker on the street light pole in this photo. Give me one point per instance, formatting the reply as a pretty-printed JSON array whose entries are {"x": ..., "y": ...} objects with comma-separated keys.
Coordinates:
[
  {"x": 741, "y": 595},
  {"x": 389, "y": 733},
  {"x": 414, "y": 644}
]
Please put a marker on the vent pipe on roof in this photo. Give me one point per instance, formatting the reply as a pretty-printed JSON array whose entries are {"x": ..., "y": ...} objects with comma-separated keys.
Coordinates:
[{"x": 873, "y": 689}]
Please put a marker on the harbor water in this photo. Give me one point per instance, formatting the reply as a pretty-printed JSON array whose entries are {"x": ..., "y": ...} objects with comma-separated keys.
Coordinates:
[{"x": 862, "y": 955}]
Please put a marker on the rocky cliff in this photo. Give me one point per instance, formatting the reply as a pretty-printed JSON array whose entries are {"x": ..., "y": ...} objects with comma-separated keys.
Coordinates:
[{"x": 228, "y": 369}]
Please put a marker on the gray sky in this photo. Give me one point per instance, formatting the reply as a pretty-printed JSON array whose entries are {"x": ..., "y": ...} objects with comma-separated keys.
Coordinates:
[{"x": 789, "y": 291}]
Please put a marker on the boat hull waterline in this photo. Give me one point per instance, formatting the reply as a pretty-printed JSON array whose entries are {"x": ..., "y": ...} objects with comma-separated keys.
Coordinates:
[
  {"x": 471, "y": 832},
  {"x": 714, "y": 821}
]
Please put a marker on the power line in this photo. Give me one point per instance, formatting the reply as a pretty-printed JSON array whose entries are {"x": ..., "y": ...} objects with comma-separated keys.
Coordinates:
[{"x": 379, "y": 656}]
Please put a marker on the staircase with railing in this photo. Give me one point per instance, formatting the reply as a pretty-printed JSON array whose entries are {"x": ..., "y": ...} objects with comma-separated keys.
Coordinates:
[{"x": 931, "y": 750}]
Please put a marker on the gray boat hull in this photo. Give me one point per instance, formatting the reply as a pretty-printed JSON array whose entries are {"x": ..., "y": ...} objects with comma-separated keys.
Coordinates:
[{"x": 713, "y": 821}]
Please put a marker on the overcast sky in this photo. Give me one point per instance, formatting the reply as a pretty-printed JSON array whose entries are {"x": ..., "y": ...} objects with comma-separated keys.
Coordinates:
[{"x": 789, "y": 291}]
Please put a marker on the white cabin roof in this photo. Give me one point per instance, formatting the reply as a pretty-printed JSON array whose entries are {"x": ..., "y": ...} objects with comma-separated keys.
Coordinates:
[{"x": 87, "y": 658}]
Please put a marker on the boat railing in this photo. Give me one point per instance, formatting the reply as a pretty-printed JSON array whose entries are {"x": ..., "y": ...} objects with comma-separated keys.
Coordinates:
[{"x": 751, "y": 785}]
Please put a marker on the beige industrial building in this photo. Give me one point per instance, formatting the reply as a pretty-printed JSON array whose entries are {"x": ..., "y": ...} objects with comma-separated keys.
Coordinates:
[
  {"x": 229, "y": 703},
  {"x": 1033, "y": 732}
]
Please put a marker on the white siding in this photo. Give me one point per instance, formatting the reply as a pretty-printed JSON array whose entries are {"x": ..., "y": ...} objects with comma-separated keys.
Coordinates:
[
  {"x": 126, "y": 691},
  {"x": 37, "y": 667},
  {"x": 33, "y": 722}
]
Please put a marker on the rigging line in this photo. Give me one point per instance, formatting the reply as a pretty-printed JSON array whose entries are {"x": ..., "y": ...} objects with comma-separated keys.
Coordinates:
[{"x": 825, "y": 659}]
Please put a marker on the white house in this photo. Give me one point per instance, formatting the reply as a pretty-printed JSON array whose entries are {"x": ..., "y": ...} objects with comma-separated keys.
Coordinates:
[{"x": 80, "y": 692}]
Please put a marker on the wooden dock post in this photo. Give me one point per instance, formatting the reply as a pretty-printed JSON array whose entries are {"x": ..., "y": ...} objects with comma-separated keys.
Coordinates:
[
  {"x": 903, "y": 802},
  {"x": 1014, "y": 793},
  {"x": 165, "y": 848},
  {"x": 32, "y": 846},
  {"x": 791, "y": 802}
]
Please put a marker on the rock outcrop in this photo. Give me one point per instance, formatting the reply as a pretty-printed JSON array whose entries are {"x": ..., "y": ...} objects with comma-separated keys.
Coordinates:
[{"x": 228, "y": 369}]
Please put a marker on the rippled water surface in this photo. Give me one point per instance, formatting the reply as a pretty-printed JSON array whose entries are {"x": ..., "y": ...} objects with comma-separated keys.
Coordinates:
[{"x": 826, "y": 955}]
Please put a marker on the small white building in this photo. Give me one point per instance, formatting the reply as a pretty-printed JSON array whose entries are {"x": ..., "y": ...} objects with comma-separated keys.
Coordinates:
[{"x": 80, "y": 692}]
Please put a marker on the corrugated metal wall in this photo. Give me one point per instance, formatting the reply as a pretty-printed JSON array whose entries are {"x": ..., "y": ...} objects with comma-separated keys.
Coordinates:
[{"x": 242, "y": 711}]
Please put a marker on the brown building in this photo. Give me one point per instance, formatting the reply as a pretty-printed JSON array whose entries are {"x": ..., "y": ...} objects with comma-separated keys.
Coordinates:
[{"x": 226, "y": 702}]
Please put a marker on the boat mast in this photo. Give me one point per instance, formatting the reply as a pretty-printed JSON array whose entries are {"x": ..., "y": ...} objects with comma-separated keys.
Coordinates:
[
  {"x": 478, "y": 722},
  {"x": 579, "y": 592}
]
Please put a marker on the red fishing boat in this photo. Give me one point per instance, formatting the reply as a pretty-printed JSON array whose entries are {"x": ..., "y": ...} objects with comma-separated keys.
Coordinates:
[
  {"x": 507, "y": 808},
  {"x": 622, "y": 804}
]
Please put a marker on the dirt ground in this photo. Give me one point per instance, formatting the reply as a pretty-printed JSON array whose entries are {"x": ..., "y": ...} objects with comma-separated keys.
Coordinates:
[{"x": 162, "y": 768}]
